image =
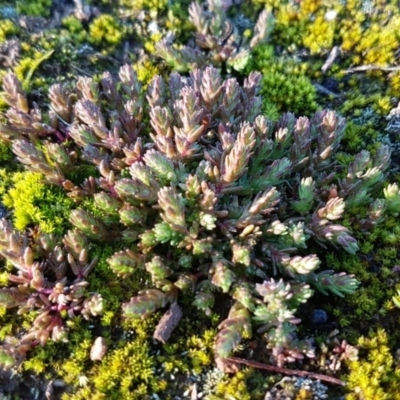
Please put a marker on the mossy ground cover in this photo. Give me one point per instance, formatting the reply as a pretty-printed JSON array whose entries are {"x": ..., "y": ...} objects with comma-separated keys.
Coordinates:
[{"x": 44, "y": 42}]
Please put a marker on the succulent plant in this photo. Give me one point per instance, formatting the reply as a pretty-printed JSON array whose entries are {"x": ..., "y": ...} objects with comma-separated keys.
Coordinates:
[
  {"x": 219, "y": 41},
  {"x": 50, "y": 282},
  {"x": 211, "y": 198}
]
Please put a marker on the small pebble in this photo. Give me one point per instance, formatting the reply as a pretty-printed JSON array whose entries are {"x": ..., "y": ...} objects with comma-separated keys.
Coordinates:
[
  {"x": 98, "y": 350},
  {"x": 319, "y": 316}
]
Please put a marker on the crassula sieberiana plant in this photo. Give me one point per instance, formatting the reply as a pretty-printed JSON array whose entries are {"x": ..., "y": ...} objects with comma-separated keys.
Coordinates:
[
  {"x": 214, "y": 201},
  {"x": 219, "y": 40},
  {"x": 49, "y": 281}
]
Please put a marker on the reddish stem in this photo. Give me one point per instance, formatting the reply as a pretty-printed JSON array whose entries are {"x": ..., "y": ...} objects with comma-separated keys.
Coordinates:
[
  {"x": 286, "y": 371},
  {"x": 59, "y": 136}
]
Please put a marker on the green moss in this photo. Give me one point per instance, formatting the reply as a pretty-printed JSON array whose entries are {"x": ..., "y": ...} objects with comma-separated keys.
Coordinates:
[
  {"x": 284, "y": 84},
  {"x": 7, "y": 326},
  {"x": 127, "y": 371},
  {"x": 151, "y": 42},
  {"x": 200, "y": 349},
  {"x": 67, "y": 361},
  {"x": 7, "y": 29},
  {"x": 370, "y": 39},
  {"x": 117, "y": 290},
  {"x": 319, "y": 35},
  {"x": 28, "y": 65},
  {"x": 359, "y": 137},
  {"x": 247, "y": 384},
  {"x": 37, "y": 8},
  {"x": 155, "y": 6},
  {"x": 394, "y": 84},
  {"x": 34, "y": 202},
  {"x": 6, "y": 156},
  {"x": 39, "y": 358},
  {"x": 234, "y": 387},
  {"x": 178, "y": 20},
  {"x": 289, "y": 91},
  {"x": 365, "y": 34},
  {"x": 75, "y": 28},
  {"x": 375, "y": 375},
  {"x": 146, "y": 71},
  {"x": 81, "y": 341},
  {"x": 106, "y": 29},
  {"x": 373, "y": 268}
]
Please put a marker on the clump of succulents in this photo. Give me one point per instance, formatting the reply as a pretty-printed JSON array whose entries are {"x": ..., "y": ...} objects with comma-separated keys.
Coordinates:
[
  {"x": 208, "y": 196},
  {"x": 50, "y": 282},
  {"x": 219, "y": 40}
]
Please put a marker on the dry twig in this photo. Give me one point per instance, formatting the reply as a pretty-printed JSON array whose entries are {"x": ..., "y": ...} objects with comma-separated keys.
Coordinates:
[
  {"x": 331, "y": 59},
  {"x": 286, "y": 371},
  {"x": 371, "y": 67}
]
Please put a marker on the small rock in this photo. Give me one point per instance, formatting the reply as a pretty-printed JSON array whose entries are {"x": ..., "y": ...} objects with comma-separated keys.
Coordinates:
[
  {"x": 168, "y": 323},
  {"x": 319, "y": 316},
  {"x": 98, "y": 350}
]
